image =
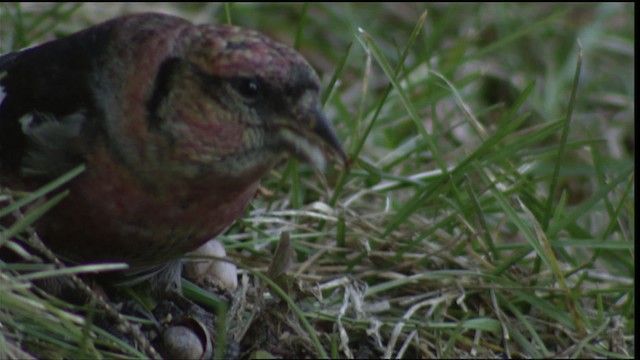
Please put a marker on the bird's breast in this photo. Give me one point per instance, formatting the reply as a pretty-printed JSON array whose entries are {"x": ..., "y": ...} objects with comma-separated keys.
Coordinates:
[{"x": 110, "y": 215}]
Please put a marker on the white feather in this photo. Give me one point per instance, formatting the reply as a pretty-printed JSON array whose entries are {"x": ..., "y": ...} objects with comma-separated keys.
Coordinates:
[{"x": 50, "y": 142}]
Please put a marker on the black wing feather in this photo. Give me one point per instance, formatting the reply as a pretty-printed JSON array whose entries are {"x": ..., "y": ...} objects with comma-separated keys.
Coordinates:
[{"x": 53, "y": 79}]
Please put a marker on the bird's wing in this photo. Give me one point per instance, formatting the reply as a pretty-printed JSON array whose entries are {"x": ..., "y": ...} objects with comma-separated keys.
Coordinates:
[
  {"x": 45, "y": 103},
  {"x": 4, "y": 61}
]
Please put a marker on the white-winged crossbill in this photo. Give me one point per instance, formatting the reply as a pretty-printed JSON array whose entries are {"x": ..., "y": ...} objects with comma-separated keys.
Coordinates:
[{"x": 176, "y": 124}]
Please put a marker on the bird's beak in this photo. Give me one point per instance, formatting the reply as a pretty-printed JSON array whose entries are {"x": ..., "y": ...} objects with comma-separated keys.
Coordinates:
[
  {"x": 314, "y": 141},
  {"x": 324, "y": 130}
]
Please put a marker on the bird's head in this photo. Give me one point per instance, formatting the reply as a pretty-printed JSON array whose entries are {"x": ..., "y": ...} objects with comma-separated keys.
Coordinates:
[{"x": 233, "y": 102}]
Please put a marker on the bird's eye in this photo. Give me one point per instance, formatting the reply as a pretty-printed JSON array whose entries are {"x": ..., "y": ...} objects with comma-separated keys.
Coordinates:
[{"x": 248, "y": 87}]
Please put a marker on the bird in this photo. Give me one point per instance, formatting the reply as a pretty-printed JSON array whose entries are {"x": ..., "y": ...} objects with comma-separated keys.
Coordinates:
[{"x": 175, "y": 124}]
